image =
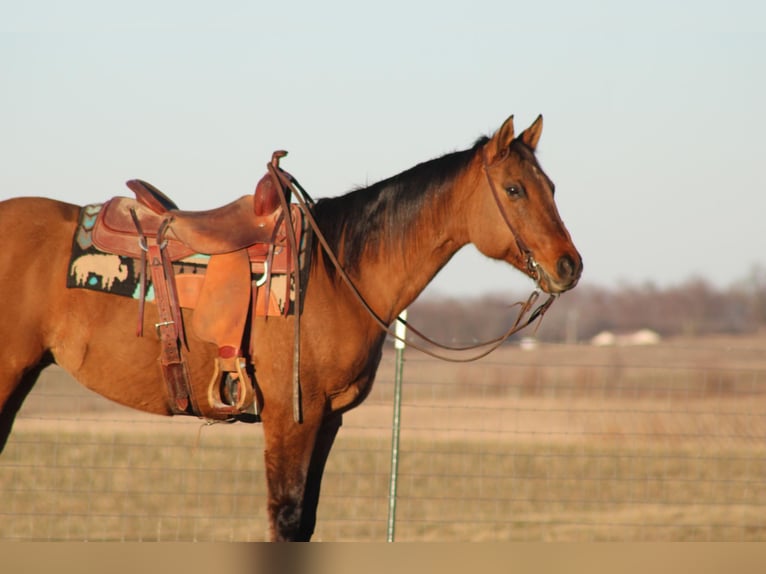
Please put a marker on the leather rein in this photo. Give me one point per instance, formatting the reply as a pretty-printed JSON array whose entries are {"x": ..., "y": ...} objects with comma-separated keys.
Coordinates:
[{"x": 289, "y": 184}]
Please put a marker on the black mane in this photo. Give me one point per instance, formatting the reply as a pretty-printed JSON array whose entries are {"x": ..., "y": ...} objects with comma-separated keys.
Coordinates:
[{"x": 385, "y": 211}]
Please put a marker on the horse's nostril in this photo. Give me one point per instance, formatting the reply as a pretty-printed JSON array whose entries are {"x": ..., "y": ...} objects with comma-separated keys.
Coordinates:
[{"x": 566, "y": 267}]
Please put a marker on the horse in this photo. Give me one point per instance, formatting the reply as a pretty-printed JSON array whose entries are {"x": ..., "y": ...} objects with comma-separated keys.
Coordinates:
[{"x": 390, "y": 239}]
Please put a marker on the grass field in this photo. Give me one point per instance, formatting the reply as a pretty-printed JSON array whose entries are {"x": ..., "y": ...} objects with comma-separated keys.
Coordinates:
[{"x": 565, "y": 443}]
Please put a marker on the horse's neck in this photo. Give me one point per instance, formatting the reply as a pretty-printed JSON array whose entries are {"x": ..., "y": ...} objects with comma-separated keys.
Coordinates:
[{"x": 393, "y": 277}]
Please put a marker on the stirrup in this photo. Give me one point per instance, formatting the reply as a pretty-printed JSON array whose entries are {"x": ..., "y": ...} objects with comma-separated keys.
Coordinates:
[{"x": 235, "y": 369}]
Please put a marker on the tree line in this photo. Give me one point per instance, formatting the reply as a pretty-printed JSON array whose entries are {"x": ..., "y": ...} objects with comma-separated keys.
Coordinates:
[{"x": 694, "y": 307}]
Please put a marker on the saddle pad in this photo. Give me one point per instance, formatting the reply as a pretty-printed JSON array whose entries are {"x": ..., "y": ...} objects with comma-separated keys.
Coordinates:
[{"x": 97, "y": 270}]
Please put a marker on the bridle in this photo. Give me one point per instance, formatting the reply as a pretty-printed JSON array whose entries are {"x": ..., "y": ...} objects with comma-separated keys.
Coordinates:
[
  {"x": 533, "y": 268},
  {"x": 289, "y": 184}
]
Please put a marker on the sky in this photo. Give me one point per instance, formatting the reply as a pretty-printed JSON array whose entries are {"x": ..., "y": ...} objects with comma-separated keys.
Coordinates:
[{"x": 654, "y": 112}]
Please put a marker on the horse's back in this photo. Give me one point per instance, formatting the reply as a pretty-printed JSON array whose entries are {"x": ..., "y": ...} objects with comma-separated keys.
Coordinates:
[
  {"x": 33, "y": 229},
  {"x": 30, "y": 217},
  {"x": 36, "y": 236}
]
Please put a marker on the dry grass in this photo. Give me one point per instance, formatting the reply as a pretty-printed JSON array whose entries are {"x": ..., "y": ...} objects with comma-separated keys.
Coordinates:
[{"x": 561, "y": 443}]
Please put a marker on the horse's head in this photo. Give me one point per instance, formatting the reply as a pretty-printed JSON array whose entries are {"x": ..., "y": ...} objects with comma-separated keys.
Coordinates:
[{"x": 513, "y": 213}]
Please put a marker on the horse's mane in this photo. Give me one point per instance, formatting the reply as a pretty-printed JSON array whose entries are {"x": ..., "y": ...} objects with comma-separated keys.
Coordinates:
[{"x": 386, "y": 211}]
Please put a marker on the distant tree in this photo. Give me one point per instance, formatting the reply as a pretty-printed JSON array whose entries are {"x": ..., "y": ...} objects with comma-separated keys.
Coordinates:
[{"x": 694, "y": 307}]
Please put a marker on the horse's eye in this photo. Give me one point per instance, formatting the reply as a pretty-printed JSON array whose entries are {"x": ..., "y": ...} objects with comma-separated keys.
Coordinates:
[{"x": 515, "y": 191}]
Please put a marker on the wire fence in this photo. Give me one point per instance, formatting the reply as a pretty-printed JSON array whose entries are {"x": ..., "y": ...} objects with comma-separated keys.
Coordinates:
[{"x": 553, "y": 442}]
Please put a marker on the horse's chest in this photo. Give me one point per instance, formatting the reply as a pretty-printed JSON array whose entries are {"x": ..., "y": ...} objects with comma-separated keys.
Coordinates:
[{"x": 354, "y": 382}]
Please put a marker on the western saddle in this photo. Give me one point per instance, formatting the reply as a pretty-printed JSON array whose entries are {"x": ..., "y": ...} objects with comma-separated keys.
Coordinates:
[{"x": 249, "y": 249}]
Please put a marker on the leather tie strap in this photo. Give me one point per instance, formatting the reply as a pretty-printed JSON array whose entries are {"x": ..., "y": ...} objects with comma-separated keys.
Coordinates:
[
  {"x": 284, "y": 191},
  {"x": 173, "y": 366},
  {"x": 142, "y": 273},
  {"x": 174, "y": 369}
]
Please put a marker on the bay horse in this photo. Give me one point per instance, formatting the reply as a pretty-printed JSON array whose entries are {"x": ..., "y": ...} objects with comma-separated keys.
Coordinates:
[{"x": 391, "y": 238}]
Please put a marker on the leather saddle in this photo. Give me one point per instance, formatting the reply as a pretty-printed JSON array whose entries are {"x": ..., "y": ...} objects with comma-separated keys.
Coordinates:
[
  {"x": 225, "y": 229},
  {"x": 246, "y": 245}
]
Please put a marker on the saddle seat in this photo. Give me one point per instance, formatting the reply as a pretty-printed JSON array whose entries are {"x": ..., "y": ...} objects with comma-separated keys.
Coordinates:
[
  {"x": 245, "y": 243},
  {"x": 228, "y": 228}
]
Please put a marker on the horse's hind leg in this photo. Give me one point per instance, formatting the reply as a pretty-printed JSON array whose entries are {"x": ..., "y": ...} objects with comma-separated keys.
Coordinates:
[{"x": 14, "y": 388}]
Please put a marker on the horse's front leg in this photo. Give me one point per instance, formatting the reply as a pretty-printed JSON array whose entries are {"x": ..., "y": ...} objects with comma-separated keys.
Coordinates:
[
  {"x": 322, "y": 446},
  {"x": 295, "y": 457}
]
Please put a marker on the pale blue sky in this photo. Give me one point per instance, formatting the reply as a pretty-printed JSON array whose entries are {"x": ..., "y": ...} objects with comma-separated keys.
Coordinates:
[{"x": 654, "y": 111}]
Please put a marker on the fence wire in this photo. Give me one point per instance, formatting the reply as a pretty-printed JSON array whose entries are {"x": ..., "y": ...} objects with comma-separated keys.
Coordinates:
[{"x": 544, "y": 442}]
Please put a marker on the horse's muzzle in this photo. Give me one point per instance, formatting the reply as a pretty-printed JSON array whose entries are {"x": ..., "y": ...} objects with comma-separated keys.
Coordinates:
[{"x": 566, "y": 276}]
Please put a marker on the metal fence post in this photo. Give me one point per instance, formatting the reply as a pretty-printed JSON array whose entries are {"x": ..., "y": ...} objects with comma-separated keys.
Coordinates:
[{"x": 399, "y": 345}]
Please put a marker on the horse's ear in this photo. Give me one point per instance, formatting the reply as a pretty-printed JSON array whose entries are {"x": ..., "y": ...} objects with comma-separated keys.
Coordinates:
[
  {"x": 501, "y": 141},
  {"x": 531, "y": 135}
]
